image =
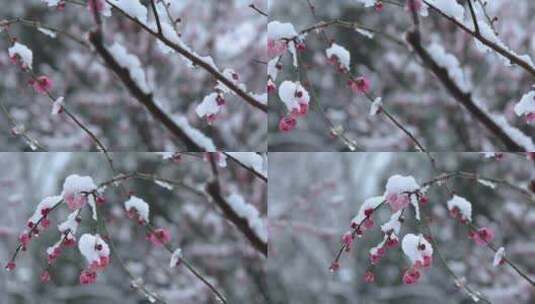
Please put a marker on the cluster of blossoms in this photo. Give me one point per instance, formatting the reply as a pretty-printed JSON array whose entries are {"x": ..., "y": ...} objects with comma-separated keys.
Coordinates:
[
  {"x": 137, "y": 209},
  {"x": 97, "y": 254},
  {"x": 401, "y": 193},
  {"x": 22, "y": 56}
]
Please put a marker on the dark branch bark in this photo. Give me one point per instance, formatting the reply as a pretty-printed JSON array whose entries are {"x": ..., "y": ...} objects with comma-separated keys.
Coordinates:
[
  {"x": 463, "y": 98},
  {"x": 146, "y": 99}
]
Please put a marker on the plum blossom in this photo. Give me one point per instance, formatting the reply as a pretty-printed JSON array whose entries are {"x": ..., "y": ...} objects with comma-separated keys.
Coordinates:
[
  {"x": 76, "y": 191},
  {"x": 420, "y": 253},
  {"x": 278, "y": 35},
  {"x": 526, "y": 107},
  {"x": 95, "y": 250},
  {"x": 42, "y": 84},
  {"x": 295, "y": 97},
  {"x": 499, "y": 257},
  {"x": 45, "y": 277},
  {"x": 482, "y": 236},
  {"x": 160, "y": 237},
  {"x": 360, "y": 85},
  {"x": 287, "y": 123},
  {"x": 137, "y": 208},
  {"x": 369, "y": 277},
  {"x": 460, "y": 208},
  {"x": 21, "y": 55},
  {"x": 339, "y": 56},
  {"x": 398, "y": 190}
]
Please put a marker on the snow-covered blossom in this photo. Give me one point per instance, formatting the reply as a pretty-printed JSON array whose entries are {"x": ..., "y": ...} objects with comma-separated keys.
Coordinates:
[
  {"x": 176, "y": 258},
  {"x": 210, "y": 106},
  {"x": 21, "y": 55},
  {"x": 397, "y": 188},
  {"x": 233, "y": 77},
  {"x": 287, "y": 123},
  {"x": 130, "y": 62},
  {"x": 526, "y": 107},
  {"x": 159, "y": 237},
  {"x": 43, "y": 208},
  {"x": 95, "y": 251},
  {"x": 460, "y": 208},
  {"x": 43, "y": 84},
  {"x": 366, "y": 210},
  {"x": 57, "y": 106},
  {"x": 499, "y": 257},
  {"x": 420, "y": 253},
  {"x": 376, "y": 106},
  {"x": 88, "y": 277},
  {"x": 482, "y": 236},
  {"x": 393, "y": 225},
  {"x": 294, "y": 96},
  {"x": 339, "y": 55},
  {"x": 71, "y": 224},
  {"x": 277, "y": 31},
  {"x": 249, "y": 213},
  {"x": 133, "y": 8},
  {"x": 360, "y": 85},
  {"x": 76, "y": 191},
  {"x": 137, "y": 208}
]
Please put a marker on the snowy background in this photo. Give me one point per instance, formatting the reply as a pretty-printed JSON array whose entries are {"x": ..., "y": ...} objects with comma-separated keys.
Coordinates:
[
  {"x": 210, "y": 242},
  {"x": 229, "y": 31},
  {"x": 311, "y": 206},
  {"x": 409, "y": 91}
]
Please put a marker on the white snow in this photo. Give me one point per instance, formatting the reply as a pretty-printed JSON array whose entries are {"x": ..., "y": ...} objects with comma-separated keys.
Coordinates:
[
  {"x": 208, "y": 106},
  {"x": 163, "y": 184},
  {"x": 51, "y": 2},
  {"x": 465, "y": 207},
  {"x": 376, "y": 106},
  {"x": 370, "y": 203},
  {"x": 364, "y": 33},
  {"x": 132, "y": 64},
  {"x": 47, "y": 32},
  {"x": 24, "y": 53},
  {"x": 252, "y": 160},
  {"x": 410, "y": 246},
  {"x": 393, "y": 224},
  {"x": 451, "y": 64},
  {"x": 487, "y": 183},
  {"x": 526, "y": 105},
  {"x": 520, "y": 138},
  {"x": 70, "y": 224},
  {"x": 175, "y": 258},
  {"x": 139, "y": 205},
  {"x": 197, "y": 136},
  {"x": 500, "y": 253},
  {"x": 133, "y": 8},
  {"x": 46, "y": 203},
  {"x": 449, "y": 7},
  {"x": 249, "y": 213},
  {"x": 399, "y": 184},
  {"x": 278, "y": 30},
  {"x": 288, "y": 92},
  {"x": 367, "y": 3},
  {"x": 341, "y": 54},
  {"x": 77, "y": 184},
  {"x": 57, "y": 105},
  {"x": 272, "y": 69},
  {"x": 87, "y": 246},
  {"x": 232, "y": 76}
]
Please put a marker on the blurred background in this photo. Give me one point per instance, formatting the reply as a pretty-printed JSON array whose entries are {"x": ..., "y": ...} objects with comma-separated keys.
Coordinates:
[
  {"x": 211, "y": 243},
  {"x": 410, "y": 92},
  {"x": 311, "y": 206},
  {"x": 228, "y": 30}
]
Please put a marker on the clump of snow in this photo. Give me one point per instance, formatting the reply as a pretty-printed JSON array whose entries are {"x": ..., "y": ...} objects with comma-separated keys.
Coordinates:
[
  {"x": 367, "y": 3},
  {"x": 464, "y": 207},
  {"x": 278, "y": 30},
  {"x": 370, "y": 203},
  {"x": 57, "y": 106},
  {"x": 138, "y": 205},
  {"x": 272, "y": 69},
  {"x": 197, "y": 136},
  {"x": 416, "y": 248},
  {"x": 399, "y": 184},
  {"x": 449, "y": 8},
  {"x": 47, "y": 32},
  {"x": 23, "y": 53},
  {"x": 376, "y": 106},
  {"x": 252, "y": 160},
  {"x": 520, "y": 138},
  {"x": 249, "y": 213},
  {"x": 93, "y": 247},
  {"x": 487, "y": 183},
  {"x": 131, "y": 63},
  {"x": 364, "y": 33},
  {"x": 163, "y": 184},
  {"x": 133, "y": 8},
  {"x": 46, "y": 203},
  {"x": 451, "y": 64},
  {"x": 293, "y": 94},
  {"x": 70, "y": 225},
  {"x": 393, "y": 224},
  {"x": 51, "y": 2},
  {"x": 209, "y": 106},
  {"x": 337, "y": 52},
  {"x": 232, "y": 76},
  {"x": 499, "y": 257},
  {"x": 176, "y": 257},
  {"x": 76, "y": 191},
  {"x": 526, "y": 105}
]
